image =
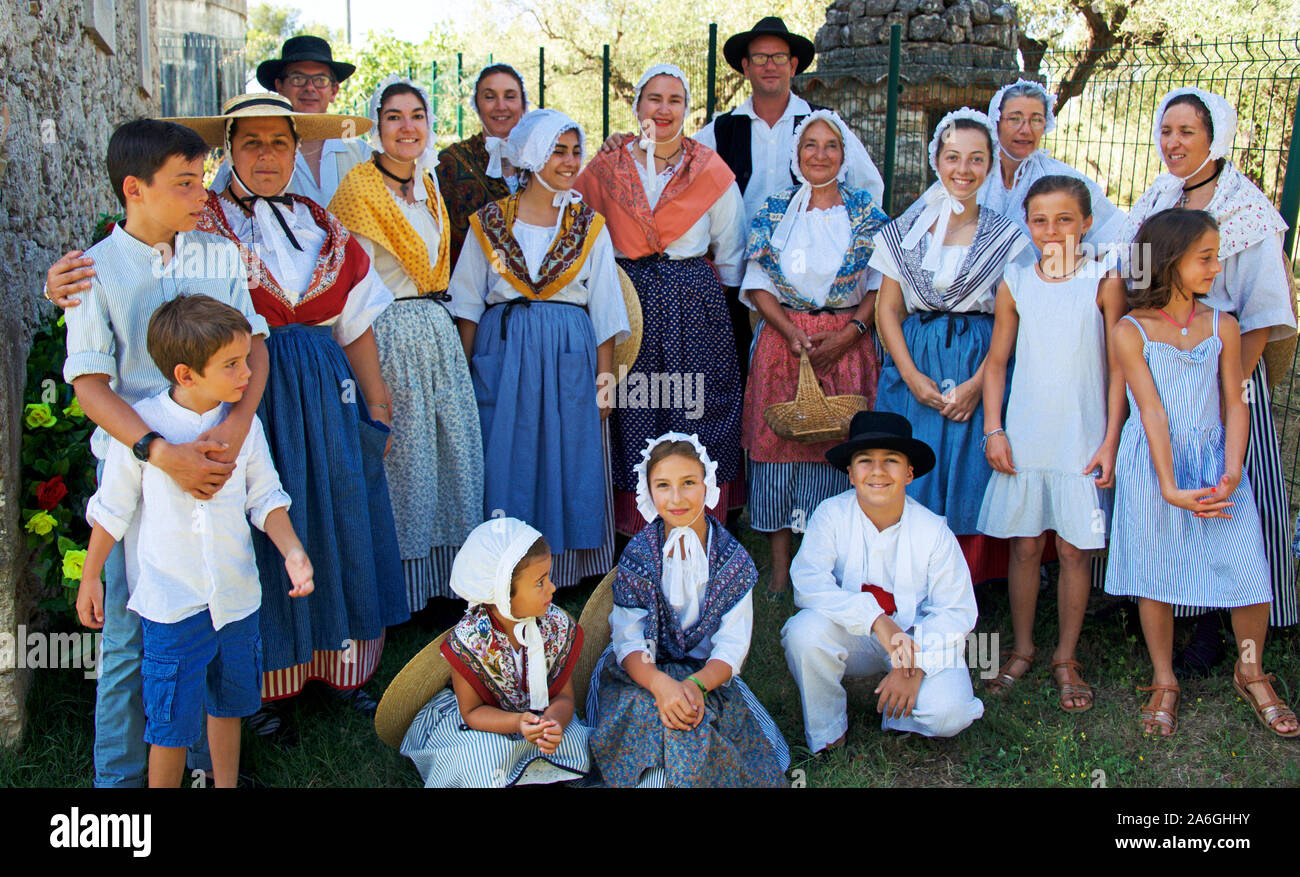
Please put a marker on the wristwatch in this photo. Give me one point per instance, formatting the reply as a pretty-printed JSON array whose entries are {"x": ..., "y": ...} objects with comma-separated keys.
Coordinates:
[{"x": 141, "y": 448}]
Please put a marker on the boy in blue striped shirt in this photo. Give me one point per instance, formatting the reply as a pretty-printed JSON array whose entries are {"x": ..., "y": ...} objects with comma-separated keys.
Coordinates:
[{"x": 156, "y": 170}]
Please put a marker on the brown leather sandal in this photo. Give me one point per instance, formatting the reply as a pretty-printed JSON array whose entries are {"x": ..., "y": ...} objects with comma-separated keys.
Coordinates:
[
  {"x": 1004, "y": 680},
  {"x": 1068, "y": 691},
  {"x": 1269, "y": 714},
  {"x": 1167, "y": 718}
]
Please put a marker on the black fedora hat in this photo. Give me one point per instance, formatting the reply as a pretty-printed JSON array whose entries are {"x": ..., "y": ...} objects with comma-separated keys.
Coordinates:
[
  {"x": 882, "y": 429},
  {"x": 302, "y": 48},
  {"x": 737, "y": 45}
]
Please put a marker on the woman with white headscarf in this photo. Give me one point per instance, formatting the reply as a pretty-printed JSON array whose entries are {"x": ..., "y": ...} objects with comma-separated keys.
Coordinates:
[
  {"x": 507, "y": 718},
  {"x": 942, "y": 260},
  {"x": 476, "y": 170},
  {"x": 435, "y": 467},
  {"x": 1022, "y": 113},
  {"x": 677, "y": 220},
  {"x": 807, "y": 275},
  {"x": 1193, "y": 132},
  {"x": 666, "y": 699},
  {"x": 537, "y": 299}
]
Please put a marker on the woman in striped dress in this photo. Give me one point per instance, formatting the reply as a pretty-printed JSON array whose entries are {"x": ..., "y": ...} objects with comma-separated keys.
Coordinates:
[
  {"x": 807, "y": 275},
  {"x": 1194, "y": 132},
  {"x": 1185, "y": 529},
  {"x": 435, "y": 468},
  {"x": 942, "y": 261}
]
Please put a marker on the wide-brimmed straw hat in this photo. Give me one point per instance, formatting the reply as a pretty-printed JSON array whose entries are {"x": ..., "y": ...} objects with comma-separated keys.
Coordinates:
[
  {"x": 302, "y": 48},
  {"x": 310, "y": 126},
  {"x": 626, "y": 352},
  {"x": 428, "y": 672}
]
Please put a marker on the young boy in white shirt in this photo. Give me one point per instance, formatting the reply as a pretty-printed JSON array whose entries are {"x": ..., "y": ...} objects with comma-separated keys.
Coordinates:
[
  {"x": 193, "y": 577},
  {"x": 882, "y": 587}
]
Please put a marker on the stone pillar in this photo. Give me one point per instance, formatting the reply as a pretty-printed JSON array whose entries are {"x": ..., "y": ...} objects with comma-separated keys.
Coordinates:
[
  {"x": 73, "y": 72},
  {"x": 954, "y": 53}
]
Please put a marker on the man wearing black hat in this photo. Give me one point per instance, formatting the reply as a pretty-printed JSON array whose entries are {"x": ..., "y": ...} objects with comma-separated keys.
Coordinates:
[
  {"x": 881, "y": 587},
  {"x": 307, "y": 74}
]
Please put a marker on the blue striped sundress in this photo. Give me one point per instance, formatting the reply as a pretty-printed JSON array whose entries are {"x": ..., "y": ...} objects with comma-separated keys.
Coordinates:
[{"x": 1162, "y": 552}]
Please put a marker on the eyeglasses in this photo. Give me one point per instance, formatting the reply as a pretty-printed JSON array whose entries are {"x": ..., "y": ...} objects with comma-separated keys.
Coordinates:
[
  {"x": 1015, "y": 120},
  {"x": 760, "y": 59},
  {"x": 320, "y": 80}
]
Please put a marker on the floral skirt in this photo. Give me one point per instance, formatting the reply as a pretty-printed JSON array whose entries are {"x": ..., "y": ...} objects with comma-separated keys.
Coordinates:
[{"x": 729, "y": 748}]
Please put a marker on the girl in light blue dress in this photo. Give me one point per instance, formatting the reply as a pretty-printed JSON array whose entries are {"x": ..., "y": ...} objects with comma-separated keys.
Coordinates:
[
  {"x": 1054, "y": 461},
  {"x": 1186, "y": 530}
]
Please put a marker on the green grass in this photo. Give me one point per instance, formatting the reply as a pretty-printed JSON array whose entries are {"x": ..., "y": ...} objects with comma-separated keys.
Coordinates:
[{"x": 1022, "y": 740}]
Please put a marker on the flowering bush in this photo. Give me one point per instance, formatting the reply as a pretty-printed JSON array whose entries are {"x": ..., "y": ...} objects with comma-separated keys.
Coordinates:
[{"x": 58, "y": 470}]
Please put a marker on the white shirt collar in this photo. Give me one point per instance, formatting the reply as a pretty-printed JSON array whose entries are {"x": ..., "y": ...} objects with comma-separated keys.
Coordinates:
[
  {"x": 204, "y": 421},
  {"x": 795, "y": 106},
  {"x": 870, "y": 526},
  {"x": 138, "y": 249}
]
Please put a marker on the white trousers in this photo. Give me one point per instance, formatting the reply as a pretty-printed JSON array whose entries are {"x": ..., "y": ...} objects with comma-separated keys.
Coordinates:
[{"x": 820, "y": 652}]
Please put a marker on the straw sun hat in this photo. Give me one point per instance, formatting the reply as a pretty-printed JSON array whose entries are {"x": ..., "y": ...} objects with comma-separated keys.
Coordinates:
[
  {"x": 428, "y": 672},
  {"x": 310, "y": 126}
]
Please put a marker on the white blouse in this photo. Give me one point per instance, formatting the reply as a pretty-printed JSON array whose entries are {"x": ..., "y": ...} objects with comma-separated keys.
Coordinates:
[
  {"x": 390, "y": 270},
  {"x": 812, "y": 258},
  {"x": 723, "y": 226},
  {"x": 292, "y": 268},
  {"x": 951, "y": 257},
  {"x": 475, "y": 284},
  {"x": 729, "y": 644}
]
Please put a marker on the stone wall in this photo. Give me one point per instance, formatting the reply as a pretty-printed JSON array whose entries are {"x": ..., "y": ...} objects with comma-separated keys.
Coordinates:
[
  {"x": 63, "y": 88},
  {"x": 954, "y": 53}
]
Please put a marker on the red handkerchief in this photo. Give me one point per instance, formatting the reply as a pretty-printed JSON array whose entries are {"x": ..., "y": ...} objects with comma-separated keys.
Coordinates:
[{"x": 883, "y": 597}]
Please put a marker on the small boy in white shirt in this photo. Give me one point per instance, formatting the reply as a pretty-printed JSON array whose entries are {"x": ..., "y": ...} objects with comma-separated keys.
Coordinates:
[{"x": 192, "y": 573}]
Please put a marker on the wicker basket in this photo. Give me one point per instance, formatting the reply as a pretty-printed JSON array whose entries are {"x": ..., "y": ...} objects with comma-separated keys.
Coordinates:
[{"x": 813, "y": 416}]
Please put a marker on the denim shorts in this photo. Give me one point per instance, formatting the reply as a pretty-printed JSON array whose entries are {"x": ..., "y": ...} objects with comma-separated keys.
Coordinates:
[{"x": 191, "y": 670}]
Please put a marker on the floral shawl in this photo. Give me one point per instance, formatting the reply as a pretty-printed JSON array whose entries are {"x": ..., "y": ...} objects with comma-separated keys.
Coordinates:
[
  {"x": 493, "y": 225},
  {"x": 865, "y": 219},
  {"x": 465, "y": 185},
  {"x": 479, "y": 650},
  {"x": 638, "y": 586},
  {"x": 363, "y": 204},
  {"x": 612, "y": 185}
]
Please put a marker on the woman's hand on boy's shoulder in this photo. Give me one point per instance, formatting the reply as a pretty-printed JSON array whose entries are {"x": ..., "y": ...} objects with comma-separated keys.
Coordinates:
[{"x": 68, "y": 278}]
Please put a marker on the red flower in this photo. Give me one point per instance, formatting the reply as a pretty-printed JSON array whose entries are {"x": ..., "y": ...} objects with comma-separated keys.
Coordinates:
[{"x": 49, "y": 493}]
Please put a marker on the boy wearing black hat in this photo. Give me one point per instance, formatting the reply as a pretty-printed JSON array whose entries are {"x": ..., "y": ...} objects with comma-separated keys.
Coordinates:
[{"x": 881, "y": 586}]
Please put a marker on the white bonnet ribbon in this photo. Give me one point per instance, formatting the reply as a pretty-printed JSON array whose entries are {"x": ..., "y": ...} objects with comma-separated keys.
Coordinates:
[
  {"x": 647, "y": 140},
  {"x": 784, "y": 228},
  {"x": 685, "y": 560},
  {"x": 481, "y": 574},
  {"x": 1224, "y": 121},
  {"x": 939, "y": 205},
  {"x": 496, "y": 147},
  {"x": 562, "y": 198}
]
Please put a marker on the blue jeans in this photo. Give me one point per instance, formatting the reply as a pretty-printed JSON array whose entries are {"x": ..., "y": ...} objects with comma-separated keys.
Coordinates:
[{"x": 121, "y": 755}]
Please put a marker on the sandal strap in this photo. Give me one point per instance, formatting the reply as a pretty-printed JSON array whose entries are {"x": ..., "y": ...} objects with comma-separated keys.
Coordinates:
[
  {"x": 1267, "y": 677},
  {"x": 1159, "y": 688},
  {"x": 1011, "y": 654},
  {"x": 1074, "y": 665}
]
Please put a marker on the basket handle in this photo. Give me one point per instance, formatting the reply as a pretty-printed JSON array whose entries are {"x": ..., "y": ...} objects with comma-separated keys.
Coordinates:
[{"x": 809, "y": 392}]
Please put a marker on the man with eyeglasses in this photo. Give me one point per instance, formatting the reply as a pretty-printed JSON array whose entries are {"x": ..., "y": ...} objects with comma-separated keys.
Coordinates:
[{"x": 307, "y": 74}]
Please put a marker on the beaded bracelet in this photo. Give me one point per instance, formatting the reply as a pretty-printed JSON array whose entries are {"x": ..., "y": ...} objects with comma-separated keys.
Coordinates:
[
  {"x": 859, "y": 325},
  {"x": 988, "y": 435}
]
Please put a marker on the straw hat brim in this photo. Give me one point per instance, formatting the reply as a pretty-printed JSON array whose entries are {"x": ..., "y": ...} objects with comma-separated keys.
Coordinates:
[
  {"x": 626, "y": 353},
  {"x": 423, "y": 676},
  {"x": 428, "y": 672},
  {"x": 595, "y": 637},
  {"x": 310, "y": 126}
]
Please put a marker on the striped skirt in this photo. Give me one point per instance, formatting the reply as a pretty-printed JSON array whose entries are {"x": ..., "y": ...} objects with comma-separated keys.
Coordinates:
[
  {"x": 435, "y": 467},
  {"x": 329, "y": 454},
  {"x": 451, "y": 755},
  {"x": 737, "y": 745},
  {"x": 686, "y": 378}
]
